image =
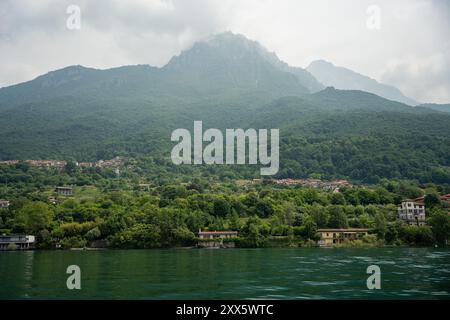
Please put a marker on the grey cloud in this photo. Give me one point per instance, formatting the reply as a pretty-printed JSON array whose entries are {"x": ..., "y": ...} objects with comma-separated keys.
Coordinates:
[
  {"x": 424, "y": 79},
  {"x": 34, "y": 38}
]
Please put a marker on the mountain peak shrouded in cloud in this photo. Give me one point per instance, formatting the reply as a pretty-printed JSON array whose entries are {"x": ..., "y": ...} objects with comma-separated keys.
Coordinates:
[
  {"x": 343, "y": 78},
  {"x": 409, "y": 51},
  {"x": 243, "y": 58},
  {"x": 219, "y": 64},
  {"x": 225, "y": 64}
]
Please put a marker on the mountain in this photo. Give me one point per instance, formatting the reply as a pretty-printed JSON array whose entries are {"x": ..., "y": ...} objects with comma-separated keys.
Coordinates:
[
  {"x": 230, "y": 60},
  {"x": 436, "y": 106},
  {"x": 226, "y": 81},
  {"x": 342, "y": 78},
  {"x": 226, "y": 64}
]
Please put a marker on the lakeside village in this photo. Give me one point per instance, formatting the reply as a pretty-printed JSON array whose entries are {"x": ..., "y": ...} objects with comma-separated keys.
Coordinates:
[
  {"x": 410, "y": 211},
  {"x": 251, "y": 213}
]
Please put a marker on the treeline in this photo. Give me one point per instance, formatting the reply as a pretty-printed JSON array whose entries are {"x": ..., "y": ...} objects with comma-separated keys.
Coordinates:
[
  {"x": 367, "y": 141},
  {"x": 168, "y": 214}
]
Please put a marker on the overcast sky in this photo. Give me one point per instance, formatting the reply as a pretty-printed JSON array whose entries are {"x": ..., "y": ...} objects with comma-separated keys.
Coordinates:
[{"x": 410, "y": 49}]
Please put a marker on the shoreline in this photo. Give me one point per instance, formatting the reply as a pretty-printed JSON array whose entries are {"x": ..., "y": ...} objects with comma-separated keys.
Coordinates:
[{"x": 235, "y": 248}]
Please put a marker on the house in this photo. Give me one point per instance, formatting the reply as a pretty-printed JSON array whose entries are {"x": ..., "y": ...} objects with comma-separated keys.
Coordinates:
[
  {"x": 315, "y": 183},
  {"x": 412, "y": 212},
  {"x": 86, "y": 164},
  {"x": 445, "y": 198},
  {"x": 216, "y": 239},
  {"x": 216, "y": 234},
  {"x": 144, "y": 186},
  {"x": 64, "y": 191},
  {"x": 9, "y": 162},
  {"x": 58, "y": 164},
  {"x": 112, "y": 163},
  {"x": 17, "y": 242},
  {"x": 4, "y": 204},
  {"x": 329, "y": 237},
  {"x": 52, "y": 200}
]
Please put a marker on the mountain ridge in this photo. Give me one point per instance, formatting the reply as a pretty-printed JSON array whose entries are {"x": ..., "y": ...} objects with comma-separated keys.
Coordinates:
[
  {"x": 235, "y": 63},
  {"x": 346, "y": 79},
  {"x": 85, "y": 114}
]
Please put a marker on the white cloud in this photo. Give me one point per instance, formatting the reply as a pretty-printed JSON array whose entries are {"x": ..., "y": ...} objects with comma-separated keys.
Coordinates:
[
  {"x": 424, "y": 77},
  {"x": 34, "y": 38}
]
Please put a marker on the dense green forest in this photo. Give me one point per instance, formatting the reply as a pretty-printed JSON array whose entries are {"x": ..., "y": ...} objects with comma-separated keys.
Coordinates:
[
  {"x": 316, "y": 139},
  {"x": 84, "y": 114},
  {"x": 172, "y": 208},
  {"x": 389, "y": 150}
]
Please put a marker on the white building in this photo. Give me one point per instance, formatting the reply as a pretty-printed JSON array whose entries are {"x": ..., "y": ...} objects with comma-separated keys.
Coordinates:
[
  {"x": 17, "y": 242},
  {"x": 64, "y": 191},
  {"x": 412, "y": 212},
  {"x": 4, "y": 204},
  {"x": 216, "y": 234}
]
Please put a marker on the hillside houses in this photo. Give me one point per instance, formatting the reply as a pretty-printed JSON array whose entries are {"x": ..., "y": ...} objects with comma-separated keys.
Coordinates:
[
  {"x": 333, "y": 186},
  {"x": 60, "y": 164},
  {"x": 112, "y": 163},
  {"x": 315, "y": 183}
]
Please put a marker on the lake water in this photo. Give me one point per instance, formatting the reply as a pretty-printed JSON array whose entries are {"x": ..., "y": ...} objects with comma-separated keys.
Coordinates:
[{"x": 406, "y": 273}]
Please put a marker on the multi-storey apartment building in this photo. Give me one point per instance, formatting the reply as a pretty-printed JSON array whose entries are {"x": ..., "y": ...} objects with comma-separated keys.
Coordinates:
[{"x": 412, "y": 212}]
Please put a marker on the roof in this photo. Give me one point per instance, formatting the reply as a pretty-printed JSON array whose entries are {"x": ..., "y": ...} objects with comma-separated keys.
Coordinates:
[
  {"x": 415, "y": 201},
  {"x": 217, "y": 232},
  {"x": 343, "y": 230},
  {"x": 445, "y": 197}
]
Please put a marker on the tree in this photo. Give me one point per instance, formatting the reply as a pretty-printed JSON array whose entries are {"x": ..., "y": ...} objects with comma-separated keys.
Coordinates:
[
  {"x": 183, "y": 236},
  {"x": 35, "y": 216},
  {"x": 417, "y": 235},
  {"x": 391, "y": 233},
  {"x": 367, "y": 197},
  {"x": 320, "y": 216},
  {"x": 338, "y": 219},
  {"x": 138, "y": 236},
  {"x": 93, "y": 234},
  {"x": 255, "y": 232},
  {"x": 440, "y": 224},
  {"x": 264, "y": 208},
  {"x": 310, "y": 231},
  {"x": 380, "y": 225},
  {"x": 432, "y": 200},
  {"x": 287, "y": 213},
  {"x": 234, "y": 223},
  {"x": 221, "y": 207},
  {"x": 70, "y": 167},
  {"x": 337, "y": 198}
]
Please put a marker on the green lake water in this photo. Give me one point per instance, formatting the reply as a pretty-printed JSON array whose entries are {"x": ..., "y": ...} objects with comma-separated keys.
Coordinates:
[{"x": 317, "y": 273}]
